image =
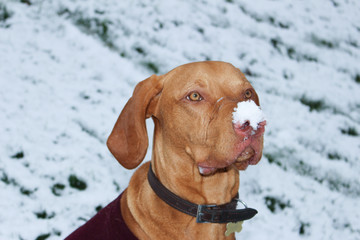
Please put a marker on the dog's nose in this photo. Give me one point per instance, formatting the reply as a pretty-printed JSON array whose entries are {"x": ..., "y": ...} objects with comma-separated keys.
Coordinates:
[{"x": 244, "y": 129}]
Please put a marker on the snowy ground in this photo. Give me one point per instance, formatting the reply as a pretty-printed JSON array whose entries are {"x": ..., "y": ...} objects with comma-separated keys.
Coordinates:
[{"x": 67, "y": 67}]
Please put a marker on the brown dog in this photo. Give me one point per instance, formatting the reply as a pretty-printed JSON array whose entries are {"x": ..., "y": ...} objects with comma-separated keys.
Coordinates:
[{"x": 197, "y": 150}]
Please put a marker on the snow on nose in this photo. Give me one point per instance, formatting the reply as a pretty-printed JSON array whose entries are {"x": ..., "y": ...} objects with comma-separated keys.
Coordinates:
[{"x": 247, "y": 114}]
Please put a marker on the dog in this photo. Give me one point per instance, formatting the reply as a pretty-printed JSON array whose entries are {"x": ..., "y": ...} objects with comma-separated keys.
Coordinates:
[{"x": 188, "y": 189}]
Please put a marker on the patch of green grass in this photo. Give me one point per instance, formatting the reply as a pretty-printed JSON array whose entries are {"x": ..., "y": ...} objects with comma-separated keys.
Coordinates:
[
  {"x": 294, "y": 55},
  {"x": 316, "y": 105},
  {"x": 276, "y": 23},
  {"x": 5, "y": 14},
  {"x": 200, "y": 30},
  {"x": 275, "y": 42},
  {"x": 11, "y": 181},
  {"x": 303, "y": 228},
  {"x": 353, "y": 43},
  {"x": 303, "y": 168},
  {"x": 8, "y": 181},
  {"x": 98, "y": 208},
  {"x": 56, "y": 232},
  {"x": 322, "y": 42},
  {"x": 357, "y": 78},
  {"x": 77, "y": 183},
  {"x": 275, "y": 204},
  {"x": 57, "y": 189},
  {"x": 27, "y": 2},
  {"x": 309, "y": 58},
  {"x": 273, "y": 159},
  {"x": 291, "y": 53},
  {"x": 288, "y": 160},
  {"x": 27, "y": 192},
  {"x": 140, "y": 50},
  {"x": 117, "y": 186},
  {"x": 334, "y": 156},
  {"x": 252, "y": 15},
  {"x": 337, "y": 185},
  {"x": 43, "y": 236},
  {"x": 44, "y": 215},
  {"x": 18, "y": 155},
  {"x": 250, "y": 73},
  {"x": 351, "y": 131},
  {"x": 152, "y": 67},
  {"x": 97, "y": 26}
]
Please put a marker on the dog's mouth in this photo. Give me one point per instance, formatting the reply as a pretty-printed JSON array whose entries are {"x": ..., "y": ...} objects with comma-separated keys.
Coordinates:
[
  {"x": 244, "y": 159},
  {"x": 247, "y": 151}
]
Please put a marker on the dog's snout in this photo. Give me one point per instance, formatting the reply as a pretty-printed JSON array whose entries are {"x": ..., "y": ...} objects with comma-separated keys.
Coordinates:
[
  {"x": 245, "y": 125},
  {"x": 245, "y": 129},
  {"x": 242, "y": 129}
]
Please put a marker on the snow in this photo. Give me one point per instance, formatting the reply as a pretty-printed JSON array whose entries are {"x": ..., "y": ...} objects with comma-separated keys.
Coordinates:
[
  {"x": 67, "y": 68},
  {"x": 248, "y": 111}
]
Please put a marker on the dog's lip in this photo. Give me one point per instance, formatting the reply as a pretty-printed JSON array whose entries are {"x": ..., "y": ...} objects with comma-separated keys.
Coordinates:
[
  {"x": 245, "y": 161},
  {"x": 242, "y": 161},
  {"x": 206, "y": 170},
  {"x": 246, "y": 155}
]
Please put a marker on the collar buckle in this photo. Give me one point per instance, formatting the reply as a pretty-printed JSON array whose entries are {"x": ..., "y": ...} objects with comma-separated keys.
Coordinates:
[{"x": 201, "y": 213}]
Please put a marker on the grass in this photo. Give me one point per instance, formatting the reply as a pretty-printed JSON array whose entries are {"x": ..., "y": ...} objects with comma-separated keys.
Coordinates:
[
  {"x": 140, "y": 50},
  {"x": 57, "y": 189},
  {"x": 11, "y": 181},
  {"x": 287, "y": 160},
  {"x": 274, "y": 159},
  {"x": 5, "y": 14},
  {"x": 275, "y": 204},
  {"x": 27, "y": 2},
  {"x": 151, "y": 66},
  {"x": 44, "y": 215},
  {"x": 27, "y": 192},
  {"x": 351, "y": 131},
  {"x": 77, "y": 183},
  {"x": 276, "y": 23},
  {"x": 98, "y": 208},
  {"x": 97, "y": 26},
  {"x": 322, "y": 42},
  {"x": 18, "y": 155},
  {"x": 334, "y": 156},
  {"x": 290, "y": 51},
  {"x": 43, "y": 236},
  {"x": 303, "y": 228},
  {"x": 314, "y": 105},
  {"x": 357, "y": 78}
]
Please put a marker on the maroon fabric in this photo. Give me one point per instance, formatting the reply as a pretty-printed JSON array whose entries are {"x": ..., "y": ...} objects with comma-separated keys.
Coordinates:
[{"x": 107, "y": 224}]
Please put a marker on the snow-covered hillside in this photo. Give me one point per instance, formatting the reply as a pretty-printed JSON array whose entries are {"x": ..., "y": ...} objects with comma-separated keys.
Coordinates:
[{"x": 67, "y": 67}]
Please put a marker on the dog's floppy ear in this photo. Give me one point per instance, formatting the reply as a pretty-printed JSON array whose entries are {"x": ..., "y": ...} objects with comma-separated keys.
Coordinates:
[{"x": 128, "y": 141}]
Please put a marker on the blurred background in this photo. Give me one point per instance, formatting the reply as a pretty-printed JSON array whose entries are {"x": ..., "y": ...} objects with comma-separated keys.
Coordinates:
[{"x": 67, "y": 67}]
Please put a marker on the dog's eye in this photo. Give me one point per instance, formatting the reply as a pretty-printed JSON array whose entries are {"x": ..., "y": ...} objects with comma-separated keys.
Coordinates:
[
  {"x": 194, "y": 96},
  {"x": 248, "y": 94}
]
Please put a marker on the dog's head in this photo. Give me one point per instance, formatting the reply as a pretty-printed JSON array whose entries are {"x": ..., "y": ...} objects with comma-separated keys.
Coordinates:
[{"x": 192, "y": 107}]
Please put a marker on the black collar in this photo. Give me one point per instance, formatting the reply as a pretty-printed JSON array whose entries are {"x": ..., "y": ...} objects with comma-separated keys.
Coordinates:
[{"x": 204, "y": 213}]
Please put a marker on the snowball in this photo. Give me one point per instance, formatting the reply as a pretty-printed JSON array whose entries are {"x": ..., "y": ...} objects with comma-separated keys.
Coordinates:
[{"x": 248, "y": 111}]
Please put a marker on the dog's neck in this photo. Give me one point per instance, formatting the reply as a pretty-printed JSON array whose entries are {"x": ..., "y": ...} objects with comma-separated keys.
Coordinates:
[{"x": 182, "y": 177}]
